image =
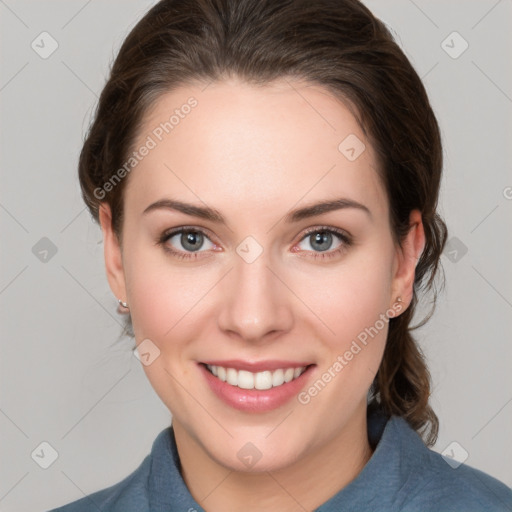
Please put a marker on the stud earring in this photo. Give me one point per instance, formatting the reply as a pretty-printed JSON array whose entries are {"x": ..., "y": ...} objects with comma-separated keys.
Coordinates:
[
  {"x": 124, "y": 304},
  {"x": 399, "y": 299}
]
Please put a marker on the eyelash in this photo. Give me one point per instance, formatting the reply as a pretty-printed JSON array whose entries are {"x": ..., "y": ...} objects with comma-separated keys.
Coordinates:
[{"x": 342, "y": 235}]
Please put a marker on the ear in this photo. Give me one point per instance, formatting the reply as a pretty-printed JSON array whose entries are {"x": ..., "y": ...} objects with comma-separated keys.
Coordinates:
[
  {"x": 407, "y": 257},
  {"x": 113, "y": 255}
]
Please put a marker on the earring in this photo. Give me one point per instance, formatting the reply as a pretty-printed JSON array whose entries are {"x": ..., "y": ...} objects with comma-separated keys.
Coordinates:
[
  {"x": 124, "y": 304},
  {"x": 399, "y": 299}
]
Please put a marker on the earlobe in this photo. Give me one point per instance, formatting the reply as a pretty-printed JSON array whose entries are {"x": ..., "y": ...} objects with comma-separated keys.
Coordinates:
[
  {"x": 408, "y": 256},
  {"x": 112, "y": 253}
]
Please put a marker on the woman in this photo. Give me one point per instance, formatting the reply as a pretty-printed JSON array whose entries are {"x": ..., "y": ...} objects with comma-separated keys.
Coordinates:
[{"x": 266, "y": 175}]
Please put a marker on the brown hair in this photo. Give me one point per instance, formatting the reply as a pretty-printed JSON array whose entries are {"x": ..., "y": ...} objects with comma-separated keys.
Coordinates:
[{"x": 337, "y": 44}]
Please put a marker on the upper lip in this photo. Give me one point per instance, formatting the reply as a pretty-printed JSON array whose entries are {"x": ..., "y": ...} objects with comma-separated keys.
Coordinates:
[{"x": 257, "y": 366}]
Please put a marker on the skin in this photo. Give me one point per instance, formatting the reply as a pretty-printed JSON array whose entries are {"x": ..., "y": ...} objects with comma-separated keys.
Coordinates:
[{"x": 253, "y": 154}]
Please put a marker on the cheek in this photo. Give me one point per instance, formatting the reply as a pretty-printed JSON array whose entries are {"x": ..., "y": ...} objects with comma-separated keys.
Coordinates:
[
  {"x": 352, "y": 296},
  {"x": 164, "y": 304},
  {"x": 162, "y": 298},
  {"x": 149, "y": 288},
  {"x": 353, "y": 304},
  {"x": 345, "y": 298},
  {"x": 166, "y": 299}
]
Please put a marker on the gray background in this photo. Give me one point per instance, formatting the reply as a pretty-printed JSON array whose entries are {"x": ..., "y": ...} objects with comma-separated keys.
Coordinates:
[{"x": 63, "y": 380}]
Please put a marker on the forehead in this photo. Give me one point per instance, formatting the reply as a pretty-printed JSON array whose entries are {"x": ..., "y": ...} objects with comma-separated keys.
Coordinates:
[{"x": 244, "y": 147}]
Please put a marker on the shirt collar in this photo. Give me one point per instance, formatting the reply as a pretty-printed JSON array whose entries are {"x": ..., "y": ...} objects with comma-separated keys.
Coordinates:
[{"x": 387, "y": 435}]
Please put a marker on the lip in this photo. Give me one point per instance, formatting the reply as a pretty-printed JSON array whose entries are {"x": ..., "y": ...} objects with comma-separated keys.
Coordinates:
[
  {"x": 257, "y": 366},
  {"x": 255, "y": 400}
]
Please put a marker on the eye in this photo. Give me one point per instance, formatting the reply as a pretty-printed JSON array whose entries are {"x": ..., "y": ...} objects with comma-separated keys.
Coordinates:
[
  {"x": 321, "y": 240},
  {"x": 191, "y": 241}
]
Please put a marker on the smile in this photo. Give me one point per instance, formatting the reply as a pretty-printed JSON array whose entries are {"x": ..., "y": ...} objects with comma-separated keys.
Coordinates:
[
  {"x": 256, "y": 386},
  {"x": 260, "y": 380}
]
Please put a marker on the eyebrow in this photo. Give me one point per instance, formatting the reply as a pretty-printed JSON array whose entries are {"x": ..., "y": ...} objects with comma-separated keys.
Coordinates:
[{"x": 213, "y": 215}]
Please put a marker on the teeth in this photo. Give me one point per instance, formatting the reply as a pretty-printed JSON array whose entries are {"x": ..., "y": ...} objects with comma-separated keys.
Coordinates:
[{"x": 260, "y": 380}]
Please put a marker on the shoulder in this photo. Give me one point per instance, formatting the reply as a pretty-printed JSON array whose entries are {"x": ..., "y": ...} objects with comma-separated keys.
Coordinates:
[
  {"x": 432, "y": 483},
  {"x": 128, "y": 495},
  {"x": 441, "y": 487}
]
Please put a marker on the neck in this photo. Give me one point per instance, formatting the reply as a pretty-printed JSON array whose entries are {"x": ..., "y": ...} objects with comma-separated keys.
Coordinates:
[{"x": 305, "y": 484}]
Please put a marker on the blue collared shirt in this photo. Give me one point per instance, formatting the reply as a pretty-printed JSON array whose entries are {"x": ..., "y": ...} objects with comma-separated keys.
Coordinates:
[{"x": 402, "y": 475}]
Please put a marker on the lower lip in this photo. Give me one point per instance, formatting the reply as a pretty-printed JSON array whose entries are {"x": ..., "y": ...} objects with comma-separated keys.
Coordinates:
[{"x": 255, "y": 400}]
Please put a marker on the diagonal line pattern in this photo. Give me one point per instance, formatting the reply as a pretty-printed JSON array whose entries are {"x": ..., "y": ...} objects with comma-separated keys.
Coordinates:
[
  {"x": 87, "y": 496},
  {"x": 198, "y": 402},
  {"x": 286, "y": 490},
  {"x": 310, "y": 104},
  {"x": 279, "y": 423},
  {"x": 425, "y": 75},
  {"x": 424, "y": 13},
  {"x": 79, "y": 78},
  {"x": 73, "y": 220},
  {"x": 506, "y": 403},
  {"x": 493, "y": 287},
  {"x": 199, "y": 300},
  {"x": 299, "y": 200},
  {"x": 13, "y": 279},
  {"x": 76, "y": 14},
  {"x": 481, "y": 222},
  {"x": 216, "y": 487},
  {"x": 7, "y": 7},
  {"x": 14, "y": 76},
  {"x": 91, "y": 295},
  {"x": 492, "y": 81},
  {"x": 207, "y": 85},
  {"x": 3, "y": 412},
  {"x": 485, "y": 15},
  {"x": 189, "y": 189},
  {"x": 301, "y": 300},
  {"x": 5, "y": 495},
  {"x": 13, "y": 218},
  {"x": 507, "y": 505},
  {"x": 104, "y": 395}
]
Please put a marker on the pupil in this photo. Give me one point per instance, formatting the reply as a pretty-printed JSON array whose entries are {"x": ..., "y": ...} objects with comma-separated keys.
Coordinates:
[
  {"x": 192, "y": 239},
  {"x": 320, "y": 238}
]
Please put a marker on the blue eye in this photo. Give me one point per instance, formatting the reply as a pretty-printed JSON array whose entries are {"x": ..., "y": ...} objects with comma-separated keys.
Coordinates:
[
  {"x": 321, "y": 240},
  {"x": 192, "y": 240}
]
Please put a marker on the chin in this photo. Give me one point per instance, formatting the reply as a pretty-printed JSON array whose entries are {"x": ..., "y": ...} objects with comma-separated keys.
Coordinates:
[{"x": 246, "y": 456}]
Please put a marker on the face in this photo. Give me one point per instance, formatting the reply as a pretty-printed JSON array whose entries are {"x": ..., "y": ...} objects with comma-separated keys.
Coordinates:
[{"x": 244, "y": 269}]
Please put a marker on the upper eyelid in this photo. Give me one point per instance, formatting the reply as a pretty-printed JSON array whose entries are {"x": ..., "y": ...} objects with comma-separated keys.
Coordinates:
[
  {"x": 169, "y": 233},
  {"x": 336, "y": 231},
  {"x": 341, "y": 233}
]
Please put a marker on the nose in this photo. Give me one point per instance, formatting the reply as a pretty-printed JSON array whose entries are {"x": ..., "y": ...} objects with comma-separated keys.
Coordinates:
[{"x": 256, "y": 304}]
